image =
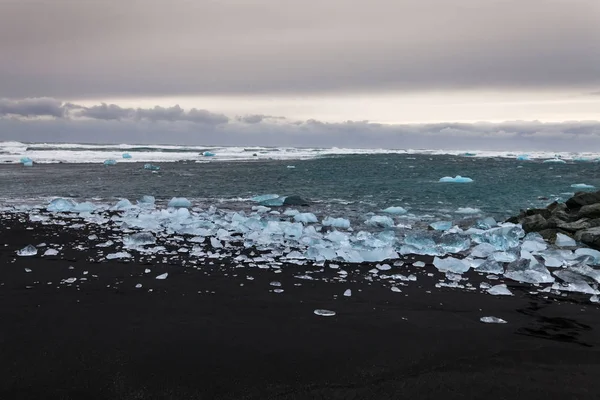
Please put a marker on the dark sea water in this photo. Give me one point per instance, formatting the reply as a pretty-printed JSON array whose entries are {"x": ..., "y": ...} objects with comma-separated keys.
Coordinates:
[{"x": 344, "y": 185}]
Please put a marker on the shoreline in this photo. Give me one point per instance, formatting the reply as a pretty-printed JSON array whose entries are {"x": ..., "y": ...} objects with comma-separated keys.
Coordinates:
[{"x": 101, "y": 338}]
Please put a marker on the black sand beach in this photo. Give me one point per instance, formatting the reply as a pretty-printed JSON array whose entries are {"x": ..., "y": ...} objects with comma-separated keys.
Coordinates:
[{"x": 200, "y": 334}]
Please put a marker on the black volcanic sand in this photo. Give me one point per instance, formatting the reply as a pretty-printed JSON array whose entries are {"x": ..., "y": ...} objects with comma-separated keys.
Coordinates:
[{"x": 211, "y": 333}]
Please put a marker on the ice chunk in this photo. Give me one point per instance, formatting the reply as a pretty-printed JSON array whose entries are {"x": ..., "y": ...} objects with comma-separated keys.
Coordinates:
[
  {"x": 162, "y": 276},
  {"x": 579, "y": 287},
  {"x": 492, "y": 320},
  {"x": 278, "y": 202},
  {"x": 25, "y": 160},
  {"x": 380, "y": 254},
  {"x": 486, "y": 223},
  {"x": 467, "y": 210},
  {"x": 147, "y": 201},
  {"x": 121, "y": 254},
  {"x": 453, "y": 243},
  {"x": 324, "y": 313},
  {"x": 291, "y": 166},
  {"x": 340, "y": 223},
  {"x": 208, "y": 154},
  {"x": 533, "y": 246},
  {"x": 51, "y": 252},
  {"x": 582, "y": 186},
  {"x": 348, "y": 293},
  {"x": 395, "y": 289},
  {"x": 84, "y": 207},
  {"x": 554, "y": 161},
  {"x": 110, "y": 162},
  {"x": 441, "y": 225},
  {"x": 126, "y": 155},
  {"x": 381, "y": 221},
  {"x": 122, "y": 204},
  {"x": 291, "y": 212},
  {"x": 179, "y": 202},
  {"x": 451, "y": 264},
  {"x": 585, "y": 270},
  {"x": 499, "y": 290},
  {"x": 491, "y": 266},
  {"x": 27, "y": 251},
  {"x": 523, "y": 157},
  {"x": 151, "y": 167},
  {"x": 61, "y": 205},
  {"x": 306, "y": 218},
  {"x": 528, "y": 271},
  {"x": 264, "y": 197},
  {"x": 139, "y": 239},
  {"x": 28, "y": 164},
  {"x": 584, "y": 251},
  {"x": 502, "y": 238},
  {"x": 483, "y": 250},
  {"x": 138, "y": 286},
  {"x": 563, "y": 240},
  {"x": 394, "y": 210},
  {"x": 456, "y": 179}
]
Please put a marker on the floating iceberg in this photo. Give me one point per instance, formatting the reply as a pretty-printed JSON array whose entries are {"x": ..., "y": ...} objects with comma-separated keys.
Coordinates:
[
  {"x": 582, "y": 186},
  {"x": 28, "y": 164},
  {"x": 27, "y": 251},
  {"x": 61, "y": 205},
  {"x": 179, "y": 202},
  {"x": 340, "y": 223},
  {"x": 264, "y": 197},
  {"x": 554, "y": 161},
  {"x": 151, "y": 167},
  {"x": 492, "y": 320},
  {"x": 110, "y": 162},
  {"x": 523, "y": 157},
  {"x": 25, "y": 160},
  {"x": 394, "y": 210},
  {"x": 208, "y": 154},
  {"x": 456, "y": 179},
  {"x": 126, "y": 155}
]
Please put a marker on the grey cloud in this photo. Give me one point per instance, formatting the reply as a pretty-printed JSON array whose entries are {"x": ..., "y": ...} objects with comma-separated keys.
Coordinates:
[
  {"x": 91, "y": 49},
  {"x": 106, "y": 111},
  {"x": 32, "y": 107}
]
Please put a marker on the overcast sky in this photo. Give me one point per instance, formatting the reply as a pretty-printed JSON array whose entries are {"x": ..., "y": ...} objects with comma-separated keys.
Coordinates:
[{"x": 387, "y": 61}]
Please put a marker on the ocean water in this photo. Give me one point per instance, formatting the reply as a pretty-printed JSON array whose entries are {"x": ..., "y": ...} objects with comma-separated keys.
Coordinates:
[{"x": 339, "y": 182}]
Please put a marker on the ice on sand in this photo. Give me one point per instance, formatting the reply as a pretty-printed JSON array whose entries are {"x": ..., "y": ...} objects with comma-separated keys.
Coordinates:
[
  {"x": 563, "y": 240},
  {"x": 61, "y": 205},
  {"x": 528, "y": 271},
  {"x": 27, "y": 251},
  {"x": 179, "y": 202},
  {"x": 456, "y": 179},
  {"x": 122, "y": 204},
  {"x": 51, "y": 252},
  {"x": 139, "y": 239},
  {"x": 162, "y": 276},
  {"x": 492, "y": 320},
  {"x": 499, "y": 290},
  {"x": 348, "y": 293},
  {"x": 394, "y": 210},
  {"x": 451, "y": 264},
  {"x": 121, "y": 254},
  {"x": 324, "y": 313}
]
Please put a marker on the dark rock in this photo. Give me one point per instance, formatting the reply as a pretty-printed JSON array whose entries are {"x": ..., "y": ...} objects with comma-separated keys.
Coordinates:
[
  {"x": 583, "y": 199},
  {"x": 574, "y": 226},
  {"x": 549, "y": 234},
  {"x": 590, "y": 211},
  {"x": 513, "y": 220},
  {"x": 295, "y": 201},
  {"x": 591, "y": 237},
  {"x": 534, "y": 223},
  {"x": 538, "y": 211}
]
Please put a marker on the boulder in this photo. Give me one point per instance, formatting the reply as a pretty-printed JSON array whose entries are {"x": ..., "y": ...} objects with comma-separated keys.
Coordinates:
[
  {"x": 295, "y": 201},
  {"x": 590, "y": 236},
  {"x": 589, "y": 211},
  {"x": 583, "y": 199},
  {"x": 534, "y": 223},
  {"x": 578, "y": 225}
]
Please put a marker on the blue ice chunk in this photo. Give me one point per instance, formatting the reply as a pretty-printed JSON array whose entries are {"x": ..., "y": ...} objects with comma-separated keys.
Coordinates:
[
  {"x": 381, "y": 221},
  {"x": 340, "y": 223},
  {"x": 523, "y": 157},
  {"x": 582, "y": 186},
  {"x": 84, "y": 207},
  {"x": 151, "y": 167},
  {"x": 126, "y": 155},
  {"x": 486, "y": 223},
  {"x": 456, "y": 179},
  {"x": 491, "y": 267},
  {"x": 306, "y": 218},
  {"x": 179, "y": 202},
  {"x": 110, "y": 162},
  {"x": 208, "y": 154},
  {"x": 453, "y": 243},
  {"x": 24, "y": 160},
  {"x": 264, "y": 197},
  {"x": 28, "y": 164},
  {"x": 379, "y": 254},
  {"x": 441, "y": 225},
  {"x": 582, "y": 159},
  {"x": 61, "y": 205},
  {"x": 122, "y": 204},
  {"x": 502, "y": 238},
  {"x": 147, "y": 201},
  {"x": 528, "y": 271},
  {"x": 451, "y": 264},
  {"x": 293, "y": 230},
  {"x": 277, "y": 202},
  {"x": 394, "y": 210}
]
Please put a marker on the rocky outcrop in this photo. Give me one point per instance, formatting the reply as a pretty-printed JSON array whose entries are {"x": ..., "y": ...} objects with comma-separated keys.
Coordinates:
[{"x": 578, "y": 217}]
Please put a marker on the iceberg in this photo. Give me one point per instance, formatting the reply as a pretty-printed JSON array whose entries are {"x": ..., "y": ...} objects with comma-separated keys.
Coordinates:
[
  {"x": 492, "y": 320},
  {"x": 277, "y": 202},
  {"x": 179, "y": 202},
  {"x": 28, "y": 164},
  {"x": 122, "y": 204},
  {"x": 61, "y": 205},
  {"x": 208, "y": 154},
  {"x": 264, "y": 197},
  {"x": 340, "y": 223},
  {"x": 523, "y": 157},
  {"x": 394, "y": 210},
  {"x": 151, "y": 167},
  {"x": 582, "y": 186},
  {"x": 27, "y": 251},
  {"x": 381, "y": 221},
  {"x": 147, "y": 201},
  {"x": 84, "y": 207},
  {"x": 563, "y": 240},
  {"x": 110, "y": 162},
  {"x": 456, "y": 179},
  {"x": 528, "y": 271},
  {"x": 25, "y": 160},
  {"x": 126, "y": 155}
]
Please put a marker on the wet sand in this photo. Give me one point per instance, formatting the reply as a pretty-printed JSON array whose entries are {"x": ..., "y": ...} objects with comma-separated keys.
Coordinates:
[{"x": 200, "y": 334}]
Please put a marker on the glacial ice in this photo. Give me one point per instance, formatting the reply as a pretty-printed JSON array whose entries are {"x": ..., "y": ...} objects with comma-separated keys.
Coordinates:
[
  {"x": 381, "y": 221},
  {"x": 340, "y": 223},
  {"x": 499, "y": 290},
  {"x": 61, "y": 205},
  {"x": 147, "y": 201},
  {"x": 582, "y": 186},
  {"x": 456, "y": 179},
  {"x": 110, "y": 162},
  {"x": 491, "y": 267},
  {"x": 51, "y": 252},
  {"x": 492, "y": 320},
  {"x": 554, "y": 161},
  {"x": 528, "y": 271},
  {"x": 162, "y": 276},
  {"x": 84, "y": 207},
  {"x": 451, "y": 264},
  {"x": 179, "y": 202},
  {"x": 348, "y": 292},
  {"x": 25, "y": 160},
  {"x": 151, "y": 167},
  {"x": 467, "y": 210},
  {"x": 139, "y": 239},
  {"x": 28, "y": 164},
  {"x": 563, "y": 240},
  {"x": 306, "y": 218},
  {"x": 441, "y": 225},
  {"x": 324, "y": 313},
  {"x": 126, "y": 155},
  {"x": 483, "y": 250},
  {"x": 523, "y": 157},
  {"x": 208, "y": 154},
  {"x": 122, "y": 204},
  {"x": 27, "y": 251},
  {"x": 395, "y": 210},
  {"x": 118, "y": 255}
]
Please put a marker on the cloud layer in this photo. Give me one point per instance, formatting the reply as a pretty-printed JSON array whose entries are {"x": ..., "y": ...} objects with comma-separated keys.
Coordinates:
[
  {"x": 111, "y": 48},
  {"x": 50, "y": 120}
]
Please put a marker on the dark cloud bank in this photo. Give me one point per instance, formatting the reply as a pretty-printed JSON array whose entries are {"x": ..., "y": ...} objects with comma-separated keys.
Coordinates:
[{"x": 49, "y": 120}]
